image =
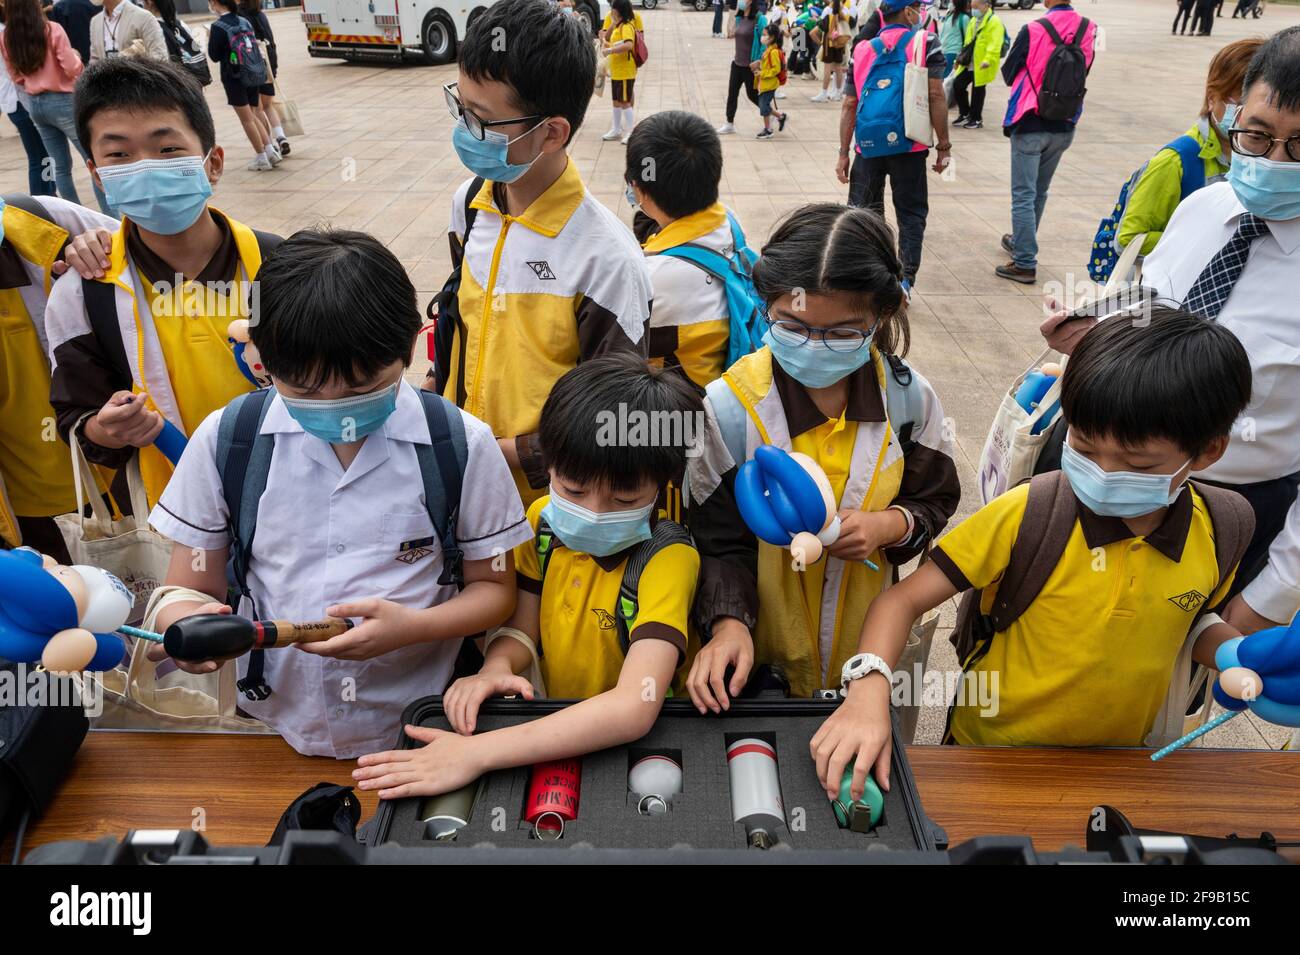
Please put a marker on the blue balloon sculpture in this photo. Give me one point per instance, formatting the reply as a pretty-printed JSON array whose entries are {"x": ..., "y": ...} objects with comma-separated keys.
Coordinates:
[
  {"x": 34, "y": 606},
  {"x": 1272, "y": 658}
]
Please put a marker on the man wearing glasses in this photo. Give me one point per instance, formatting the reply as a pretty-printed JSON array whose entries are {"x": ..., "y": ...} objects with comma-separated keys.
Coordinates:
[{"x": 1231, "y": 253}]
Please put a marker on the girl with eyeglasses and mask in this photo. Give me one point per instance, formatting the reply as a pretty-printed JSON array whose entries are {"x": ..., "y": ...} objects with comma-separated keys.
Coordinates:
[{"x": 829, "y": 383}]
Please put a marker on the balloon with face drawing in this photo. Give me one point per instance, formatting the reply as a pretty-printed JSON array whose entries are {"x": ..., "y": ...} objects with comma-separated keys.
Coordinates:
[{"x": 62, "y": 616}]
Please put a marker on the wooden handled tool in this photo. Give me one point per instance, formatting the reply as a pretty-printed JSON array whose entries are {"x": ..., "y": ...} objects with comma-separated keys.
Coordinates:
[{"x": 220, "y": 636}]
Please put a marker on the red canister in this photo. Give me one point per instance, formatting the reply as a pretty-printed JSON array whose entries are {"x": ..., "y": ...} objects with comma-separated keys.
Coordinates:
[{"x": 553, "y": 792}]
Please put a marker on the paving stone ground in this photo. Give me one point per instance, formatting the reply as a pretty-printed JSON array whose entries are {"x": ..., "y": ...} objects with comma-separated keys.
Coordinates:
[{"x": 378, "y": 157}]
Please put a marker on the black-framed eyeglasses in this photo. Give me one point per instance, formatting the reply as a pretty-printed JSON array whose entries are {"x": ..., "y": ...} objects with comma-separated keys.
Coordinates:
[
  {"x": 476, "y": 125},
  {"x": 1253, "y": 142},
  {"x": 840, "y": 338}
]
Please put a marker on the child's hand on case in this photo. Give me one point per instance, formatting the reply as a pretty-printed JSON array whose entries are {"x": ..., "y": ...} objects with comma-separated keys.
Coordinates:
[
  {"x": 859, "y": 731},
  {"x": 385, "y": 626},
  {"x": 466, "y": 695},
  {"x": 730, "y": 646},
  {"x": 444, "y": 763}
]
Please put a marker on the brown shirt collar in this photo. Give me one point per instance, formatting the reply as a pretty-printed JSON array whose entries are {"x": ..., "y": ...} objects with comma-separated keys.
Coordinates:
[
  {"x": 12, "y": 273},
  {"x": 222, "y": 267},
  {"x": 1169, "y": 538},
  {"x": 802, "y": 414}
]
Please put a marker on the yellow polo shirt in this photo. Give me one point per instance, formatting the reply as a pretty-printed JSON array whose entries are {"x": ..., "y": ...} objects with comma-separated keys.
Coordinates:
[
  {"x": 578, "y": 640},
  {"x": 1089, "y": 663},
  {"x": 621, "y": 65}
]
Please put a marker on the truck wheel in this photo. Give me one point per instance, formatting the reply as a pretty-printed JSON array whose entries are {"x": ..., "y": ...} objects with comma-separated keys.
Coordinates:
[
  {"x": 1027, "y": 4},
  {"x": 649, "y": 4},
  {"x": 702, "y": 5},
  {"x": 438, "y": 38}
]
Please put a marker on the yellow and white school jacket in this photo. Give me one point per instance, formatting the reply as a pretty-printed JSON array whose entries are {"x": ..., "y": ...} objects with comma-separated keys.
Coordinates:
[
  {"x": 562, "y": 282},
  {"x": 141, "y": 351},
  {"x": 690, "y": 324},
  {"x": 807, "y": 621},
  {"x": 35, "y": 469}
]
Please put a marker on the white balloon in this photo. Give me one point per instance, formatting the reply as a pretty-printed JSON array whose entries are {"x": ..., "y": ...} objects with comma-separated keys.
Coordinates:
[
  {"x": 831, "y": 533},
  {"x": 823, "y": 483},
  {"x": 109, "y": 602}
]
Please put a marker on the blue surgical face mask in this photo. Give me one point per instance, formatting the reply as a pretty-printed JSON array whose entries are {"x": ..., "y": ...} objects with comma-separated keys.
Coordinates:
[
  {"x": 1230, "y": 111},
  {"x": 486, "y": 157},
  {"x": 630, "y": 195},
  {"x": 1118, "y": 493},
  {"x": 598, "y": 534},
  {"x": 1267, "y": 188},
  {"x": 164, "y": 196},
  {"x": 814, "y": 365},
  {"x": 2, "y": 218},
  {"x": 343, "y": 420}
]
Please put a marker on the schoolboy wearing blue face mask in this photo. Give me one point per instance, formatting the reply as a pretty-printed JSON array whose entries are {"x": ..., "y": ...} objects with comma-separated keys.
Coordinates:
[
  {"x": 828, "y": 384},
  {"x": 165, "y": 287},
  {"x": 1143, "y": 554},
  {"x": 605, "y": 588},
  {"x": 553, "y": 277},
  {"x": 368, "y": 489}
]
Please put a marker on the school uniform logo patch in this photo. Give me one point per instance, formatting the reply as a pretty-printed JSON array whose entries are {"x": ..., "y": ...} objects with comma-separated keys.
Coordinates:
[
  {"x": 604, "y": 619},
  {"x": 1188, "y": 601},
  {"x": 542, "y": 270},
  {"x": 411, "y": 551}
]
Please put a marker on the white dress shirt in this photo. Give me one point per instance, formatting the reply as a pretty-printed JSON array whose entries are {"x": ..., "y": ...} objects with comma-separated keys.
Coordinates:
[
  {"x": 1264, "y": 313},
  {"x": 325, "y": 536}
]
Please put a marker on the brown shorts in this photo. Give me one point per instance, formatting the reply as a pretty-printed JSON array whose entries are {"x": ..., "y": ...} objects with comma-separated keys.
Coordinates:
[{"x": 621, "y": 90}]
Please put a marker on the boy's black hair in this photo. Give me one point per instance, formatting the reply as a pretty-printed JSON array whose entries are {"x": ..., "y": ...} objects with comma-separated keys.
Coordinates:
[
  {"x": 139, "y": 86},
  {"x": 580, "y": 432},
  {"x": 1277, "y": 64},
  {"x": 333, "y": 306},
  {"x": 826, "y": 247},
  {"x": 1175, "y": 376},
  {"x": 544, "y": 56},
  {"x": 675, "y": 158}
]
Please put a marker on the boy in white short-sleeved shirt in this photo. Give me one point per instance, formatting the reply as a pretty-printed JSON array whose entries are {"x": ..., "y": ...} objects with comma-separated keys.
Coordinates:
[{"x": 342, "y": 528}]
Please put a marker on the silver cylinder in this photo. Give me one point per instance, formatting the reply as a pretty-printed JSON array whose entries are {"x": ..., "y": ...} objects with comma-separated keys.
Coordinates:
[{"x": 755, "y": 790}]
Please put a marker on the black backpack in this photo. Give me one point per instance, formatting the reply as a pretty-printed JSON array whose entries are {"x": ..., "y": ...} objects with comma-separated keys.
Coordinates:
[
  {"x": 444, "y": 310},
  {"x": 1065, "y": 78}
]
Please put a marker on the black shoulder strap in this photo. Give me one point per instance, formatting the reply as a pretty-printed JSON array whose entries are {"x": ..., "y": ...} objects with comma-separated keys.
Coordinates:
[
  {"x": 244, "y": 461},
  {"x": 1045, "y": 527},
  {"x": 100, "y": 299},
  {"x": 665, "y": 534},
  {"x": 471, "y": 213},
  {"x": 267, "y": 242},
  {"x": 545, "y": 542},
  {"x": 442, "y": 468},
  {"x": 1046, "y": 24},
  {"x": 1077, "y": 39}
]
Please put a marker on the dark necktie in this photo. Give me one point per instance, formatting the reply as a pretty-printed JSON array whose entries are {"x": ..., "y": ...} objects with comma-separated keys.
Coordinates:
[{"x": 1212, "y": 287}]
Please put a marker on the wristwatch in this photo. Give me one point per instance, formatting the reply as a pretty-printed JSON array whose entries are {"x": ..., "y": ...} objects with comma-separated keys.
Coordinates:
[{"x": 858, "y": 666}]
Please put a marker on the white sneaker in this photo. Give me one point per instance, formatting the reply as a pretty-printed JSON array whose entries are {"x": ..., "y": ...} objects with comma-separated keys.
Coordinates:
[
  {"x": 612, "y": 133},
  {"x": 273, "y": 153},
  {"x": 718, "y": 36},
  {"x": 725, "y": 128},
  {"x": 837, "y": 96},
  {"x": 626, "y": 137},
  {"x": 260, "y": 164},
  {"x": 821, "y": 97},
  {"x": 780, "y": 94}
]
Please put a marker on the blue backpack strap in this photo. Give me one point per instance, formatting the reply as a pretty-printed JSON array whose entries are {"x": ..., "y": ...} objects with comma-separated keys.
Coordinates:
[
  {"x": 244, "y": 461},
  {"x": 731, "y": 417},
  {"x": 903, "y": 400},
  {"x": 1189, "y": 155},
  {"x": 442, "y": 468}
]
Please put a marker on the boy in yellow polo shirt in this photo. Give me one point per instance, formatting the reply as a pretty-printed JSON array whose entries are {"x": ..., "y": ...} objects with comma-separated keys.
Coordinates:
[
  {"x": 142, "y": 338},
  {"x": 604, "y": 591},
  {"x": 1149, "y": 401}
]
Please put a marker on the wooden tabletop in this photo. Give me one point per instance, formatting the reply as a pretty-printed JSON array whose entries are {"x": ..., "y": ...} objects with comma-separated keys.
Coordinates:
[{"x": 238, "y": 786}]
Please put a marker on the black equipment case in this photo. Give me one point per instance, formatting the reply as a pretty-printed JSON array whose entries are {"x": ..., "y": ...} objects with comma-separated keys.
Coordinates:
[{"x": 700, "y": 816}]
